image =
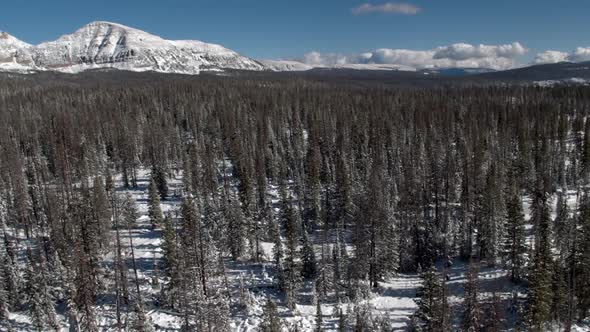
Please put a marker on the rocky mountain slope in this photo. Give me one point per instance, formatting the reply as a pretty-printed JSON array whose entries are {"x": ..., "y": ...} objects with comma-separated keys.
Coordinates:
[{"x": 111, "y": 45}]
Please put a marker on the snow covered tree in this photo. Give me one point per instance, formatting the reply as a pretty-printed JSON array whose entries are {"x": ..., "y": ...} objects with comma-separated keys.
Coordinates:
[
  {"x": 12, "y": 281},
  {"x": 292, "y": 254},
  {"x": 308, "y": 260},
  {"x": 562, "y": 225},
  {"x": 139, "y": 321},
  {"x": 492, "y": 218},
  {"x": 374, "y": 235},
  {"x": 312, "y": 202},
  {"x": 39, "y": 300},
  {"x": 277, "y": 251},
  {"x": 4, "y": 305},
  {"x": 171, "y": 261},
  {"x": 539, "y": 295},
  {"x": 582, "y": 258},
  {"x": 154, "y": 209},
  {"x": 102, "y": 215},
  {"x": 514, "y": 243},
  {"x": 494, "y": 315},
  {"x": 34, "y": 300},
  {"x": 472, "y": 312},
  {"x": 160, "y": 178},
  {"x": 236, "y": 228},
  {"x": 559, "y": 305},
  {"x": 432, "y": 305},
  {"x": 271, "y": 321},
  {"x": 318, "y": 316}
]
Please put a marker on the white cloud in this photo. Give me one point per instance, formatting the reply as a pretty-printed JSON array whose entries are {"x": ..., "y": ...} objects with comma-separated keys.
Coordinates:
[
  {"x": 386, "y": 8},
  {"x": 580, "y": 54},
  {"x": 456, "y": 55},
  {"x": 462, "y": 51},
  {"x": 550, "y": 57},
  {"x": 318, "y": 59}
]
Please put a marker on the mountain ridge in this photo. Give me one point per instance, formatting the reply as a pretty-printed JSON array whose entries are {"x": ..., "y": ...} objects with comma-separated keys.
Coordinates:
[{"x": 103, "y": 44}]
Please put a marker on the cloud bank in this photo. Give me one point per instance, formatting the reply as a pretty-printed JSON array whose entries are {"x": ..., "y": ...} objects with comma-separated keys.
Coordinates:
[
  {"x": 580, "y": 54},
  {"x": 386, "y": 8},
  {"x": 497, "y": 57}
]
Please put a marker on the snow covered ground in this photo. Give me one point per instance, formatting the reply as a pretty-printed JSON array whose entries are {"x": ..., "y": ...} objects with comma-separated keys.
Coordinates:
[{"x": 393, "y": 300}]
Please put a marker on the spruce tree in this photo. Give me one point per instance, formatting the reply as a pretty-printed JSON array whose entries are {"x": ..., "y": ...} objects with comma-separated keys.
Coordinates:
[
  {"x": 160, "y": 178},
  {"x": 34, "y": 300},
  {"x": 318, "y": 316},
  {"x": 494, "y": 319},
  {"x": 4, "y": 305},
  {"x": 277, "y": 252},
  {"x": 492, "y": 217},
  {"x": 292, "y": 254},
  {"x": 559, "y": 307},
  {"x": 539, "y": 295},
  {"x": 514, "y": 243},
  {"x": 308, "y": 260},
  {"x": 13, "y": 282},
  {"x": 432, "y": 306},
  {"x": 101, "y": 213},
  {"x": 562, "y": 225},
  {"x": 154, "y": 209},
  {"x": 271, "y": 321},
  {"x": 139, "y": 321},
  {"x": 472, "y": 313},
  {"x": 582, "y": 258}
]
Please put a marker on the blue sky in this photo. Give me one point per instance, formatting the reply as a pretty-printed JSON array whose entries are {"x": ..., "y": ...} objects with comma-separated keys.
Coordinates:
[{"x": 283, "y": 29}]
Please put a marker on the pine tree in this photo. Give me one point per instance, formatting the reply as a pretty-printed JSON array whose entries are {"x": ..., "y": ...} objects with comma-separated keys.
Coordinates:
[
  {"x": 271, "y": 322},
  {"x": 236, "y": 227},
  {"x": 4, "y": 305},
  {"x": 494, "y": 317},
  {"x": 291, "y": 266},
  {"x": 582, "y": 258},
  {"x": 318, "y": 316},
  {"x": 154, "y": 209},
  {"x": 514, "y": 244},
  {"x": 472, "y": 313},
  {"x": 432, "y": 306},
  {"x": 109, "y": 185},
  {"x": 312, "y": 203},
  {"x": 341, "y": 321},
  {"x": 561, "y": 225},
  {"x": 40, "y": 303},
  {"x": 139, "y": 321},
  {"x": 13, "y": 282},
  {"x": 309, "y": 265},
  {"x": 278, "y": 253},
  {"x": 559, "y": 308},
  {"x": 170, "y": 258},
  {"x": 101, "y": 213},
  {"x": 34, "y": 301},
  {"x": 159, "y": 177},
  {"x": 539, "y": 295},
  {"x": 492, "y": 218}
]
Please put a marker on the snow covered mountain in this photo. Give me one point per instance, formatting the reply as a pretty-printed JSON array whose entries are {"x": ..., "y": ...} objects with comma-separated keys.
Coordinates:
[
  {"x": 286, "y": 65},
  {"x": 111, "y": 45},
  {"x": 15, "y": 55}
]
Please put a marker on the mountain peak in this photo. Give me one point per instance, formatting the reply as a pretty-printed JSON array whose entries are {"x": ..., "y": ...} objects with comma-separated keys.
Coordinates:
[
  {"x": 102, "y": 25},
  {"x": 103, "y": 44},
  {"x": 107, "y": 23},
  {"x": 8, "y": 39}
]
